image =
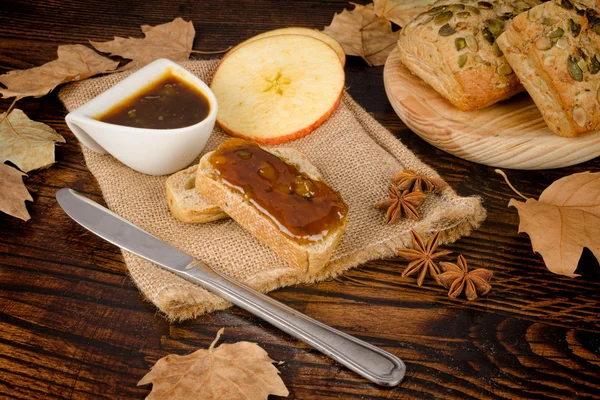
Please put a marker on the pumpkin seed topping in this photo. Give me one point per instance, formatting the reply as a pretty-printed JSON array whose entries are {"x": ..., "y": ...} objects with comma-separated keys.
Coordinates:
[
  {"x": 562, "y": 43},
  {"x": 584, "y": 53},
  {"x": 456, "y": 7},
  {"x": 472, "y": 43},
  {"x": 488, "y": 36},
  {"x": 473, "y": 10},
  {"x": 485, "y": 5},
  {"x": 558, "y": 32},
  {"x": 446, "y": 30},
  {"x": 495, "y": 26},
  {"x": 463, "y": 15},
  {"x": 574, "y": 28},
  {"x": 522, "y": 6},
  {"x": 579, "y": 8},
  {"x": 426, "y": 20},
  {"x": 462, "y": 60},
  {"x": 496, "y": 50},
  {"x": 566, "y": 4},
  {"x": 594, "y": 65},
  {"x": 436, "y": 10},
  {"x": 460, "y": 43},
  {"x": 574, "y": 70},
  {"x": 443, "y": 17},
  {"x": 592, "y": 17},
  {"x": 543, "y": 43},
  {"x": 505, "y": 69}
]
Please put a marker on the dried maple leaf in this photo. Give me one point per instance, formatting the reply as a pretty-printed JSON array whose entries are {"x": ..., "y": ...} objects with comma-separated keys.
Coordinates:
[
  {"x": 13, "y": 192},
  {"x": 401, "y": 203},
  {"x": 362, "y": 33},
  {"x": 564, "y": 220},
  {"x": 457, "y": 278},
  {"x": 232, "y": 371},
  {"x": 173, "y": 40},
  {"x": 75, "y": 62},
  {"x": 422, "y": 256},
  {"x": 400, "y": 12},
  {"x": 27, "y": 144}
]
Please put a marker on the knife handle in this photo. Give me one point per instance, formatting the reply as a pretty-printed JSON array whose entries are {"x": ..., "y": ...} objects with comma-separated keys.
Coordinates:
[{"x": 372, "y": 363}]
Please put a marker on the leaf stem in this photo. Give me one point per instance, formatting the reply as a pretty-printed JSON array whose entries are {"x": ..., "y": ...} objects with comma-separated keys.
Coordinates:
[
  {"x": 212, "y": 52},
  {"x": 9, "y": 110},
  {"x": 5, "y": 117},
  {"x": 212, "y": 345},
  {"x": 500, "y": 172}
]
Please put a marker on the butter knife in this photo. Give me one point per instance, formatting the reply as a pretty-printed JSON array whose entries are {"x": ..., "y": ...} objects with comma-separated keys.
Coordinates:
[{"x": 368, "y": 361}]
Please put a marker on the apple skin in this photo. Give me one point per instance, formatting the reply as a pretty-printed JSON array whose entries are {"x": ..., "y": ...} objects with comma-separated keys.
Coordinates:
[
  {"x": 330, "y": 41},
  {"x": 271, "y": 141},
  {"x": 310, "y": 126}
]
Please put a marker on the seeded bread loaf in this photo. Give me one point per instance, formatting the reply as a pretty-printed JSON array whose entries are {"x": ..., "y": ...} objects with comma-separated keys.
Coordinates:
[
  {"x": 554, "y": 49},
  {"x": 452, "y": 47},
  {"x": 310, "y": 257}
]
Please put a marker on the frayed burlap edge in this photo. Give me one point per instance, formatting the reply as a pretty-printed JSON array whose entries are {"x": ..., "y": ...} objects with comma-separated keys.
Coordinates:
[{"x": 468, "y": 214}]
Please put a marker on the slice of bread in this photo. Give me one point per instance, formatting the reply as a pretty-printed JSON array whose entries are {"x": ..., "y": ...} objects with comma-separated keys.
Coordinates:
[
  {"x": 310, "y": 257},
  {"x": 186, "y": 203}
]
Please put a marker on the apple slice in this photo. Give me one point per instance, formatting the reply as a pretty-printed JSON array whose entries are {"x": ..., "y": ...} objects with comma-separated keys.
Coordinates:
[
  {"x": 335, "y": 45},
  {"x": 277, "y": 88}
]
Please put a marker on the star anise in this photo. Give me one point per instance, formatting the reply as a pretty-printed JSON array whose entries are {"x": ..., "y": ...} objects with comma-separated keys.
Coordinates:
[
  {"x": 458, "y": 278},
  {"x": 413, "y": 181},
  {"x": 401, "y": 203},
  {"x": 421, "y": 256}
]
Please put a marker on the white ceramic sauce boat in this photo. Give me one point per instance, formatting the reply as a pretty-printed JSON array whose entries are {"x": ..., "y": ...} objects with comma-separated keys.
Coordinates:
[{"x": 149, "y": 151}]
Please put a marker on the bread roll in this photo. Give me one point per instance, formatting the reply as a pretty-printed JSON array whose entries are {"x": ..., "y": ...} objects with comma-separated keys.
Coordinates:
[
  {"x": 452, "y": 46},
  {"x": 554, "y": 49}
]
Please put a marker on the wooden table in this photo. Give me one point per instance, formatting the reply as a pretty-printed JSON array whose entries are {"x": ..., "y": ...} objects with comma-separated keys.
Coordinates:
[{"x": 72, "y": 324}]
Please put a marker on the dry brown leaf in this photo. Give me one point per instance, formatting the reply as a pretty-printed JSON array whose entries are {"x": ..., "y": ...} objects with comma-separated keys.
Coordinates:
[
  {"x": 362, "y": 33},
  {"x": 400, "y": 12},
  {"x": 173, "y": 40},
  {"x": 13, "y": 192},
  {"x": 564, "y": 220},
  {"x": 27, "y": 144},
  {"x": 75, "y": 62},
  {"x": 232, "y": 371}
]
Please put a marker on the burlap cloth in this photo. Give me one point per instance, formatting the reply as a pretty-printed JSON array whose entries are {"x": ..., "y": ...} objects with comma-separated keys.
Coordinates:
[{"x": 355, "y": 155}]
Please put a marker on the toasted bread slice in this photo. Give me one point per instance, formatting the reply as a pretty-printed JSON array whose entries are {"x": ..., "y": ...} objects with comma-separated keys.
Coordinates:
[
  {"x": 186, "y": 203},
  {"x": 310, "y": 257}
]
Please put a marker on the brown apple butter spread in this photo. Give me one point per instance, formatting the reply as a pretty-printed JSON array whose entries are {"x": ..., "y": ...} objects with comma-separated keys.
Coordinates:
[
  {"x": 305, "y": 210},
  {"x": 168, "y": 103}
]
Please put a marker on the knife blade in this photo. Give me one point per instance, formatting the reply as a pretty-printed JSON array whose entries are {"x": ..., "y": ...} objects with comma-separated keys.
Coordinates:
[{"x": 372, "y": 363}]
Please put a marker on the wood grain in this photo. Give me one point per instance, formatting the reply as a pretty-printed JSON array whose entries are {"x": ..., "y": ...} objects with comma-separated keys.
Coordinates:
[
  {"x": 73, "y": 326},
  {"x": 508, "y": 134}
]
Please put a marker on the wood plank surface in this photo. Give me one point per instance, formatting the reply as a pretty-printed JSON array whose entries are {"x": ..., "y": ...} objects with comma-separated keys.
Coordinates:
[{"x": 73, "y": 325}]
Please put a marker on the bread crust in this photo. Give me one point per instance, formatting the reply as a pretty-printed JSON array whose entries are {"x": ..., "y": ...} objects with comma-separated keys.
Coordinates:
[
  {"x": 450, "y": 46},
  {"x": 540, "y": 45},
  {"x": 311, "y": 257},
  {"x": 186, "y": 203}
]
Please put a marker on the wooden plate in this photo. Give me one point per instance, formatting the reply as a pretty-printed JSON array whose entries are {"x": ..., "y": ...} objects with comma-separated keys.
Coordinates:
[{"x": 509, "y": 134}]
